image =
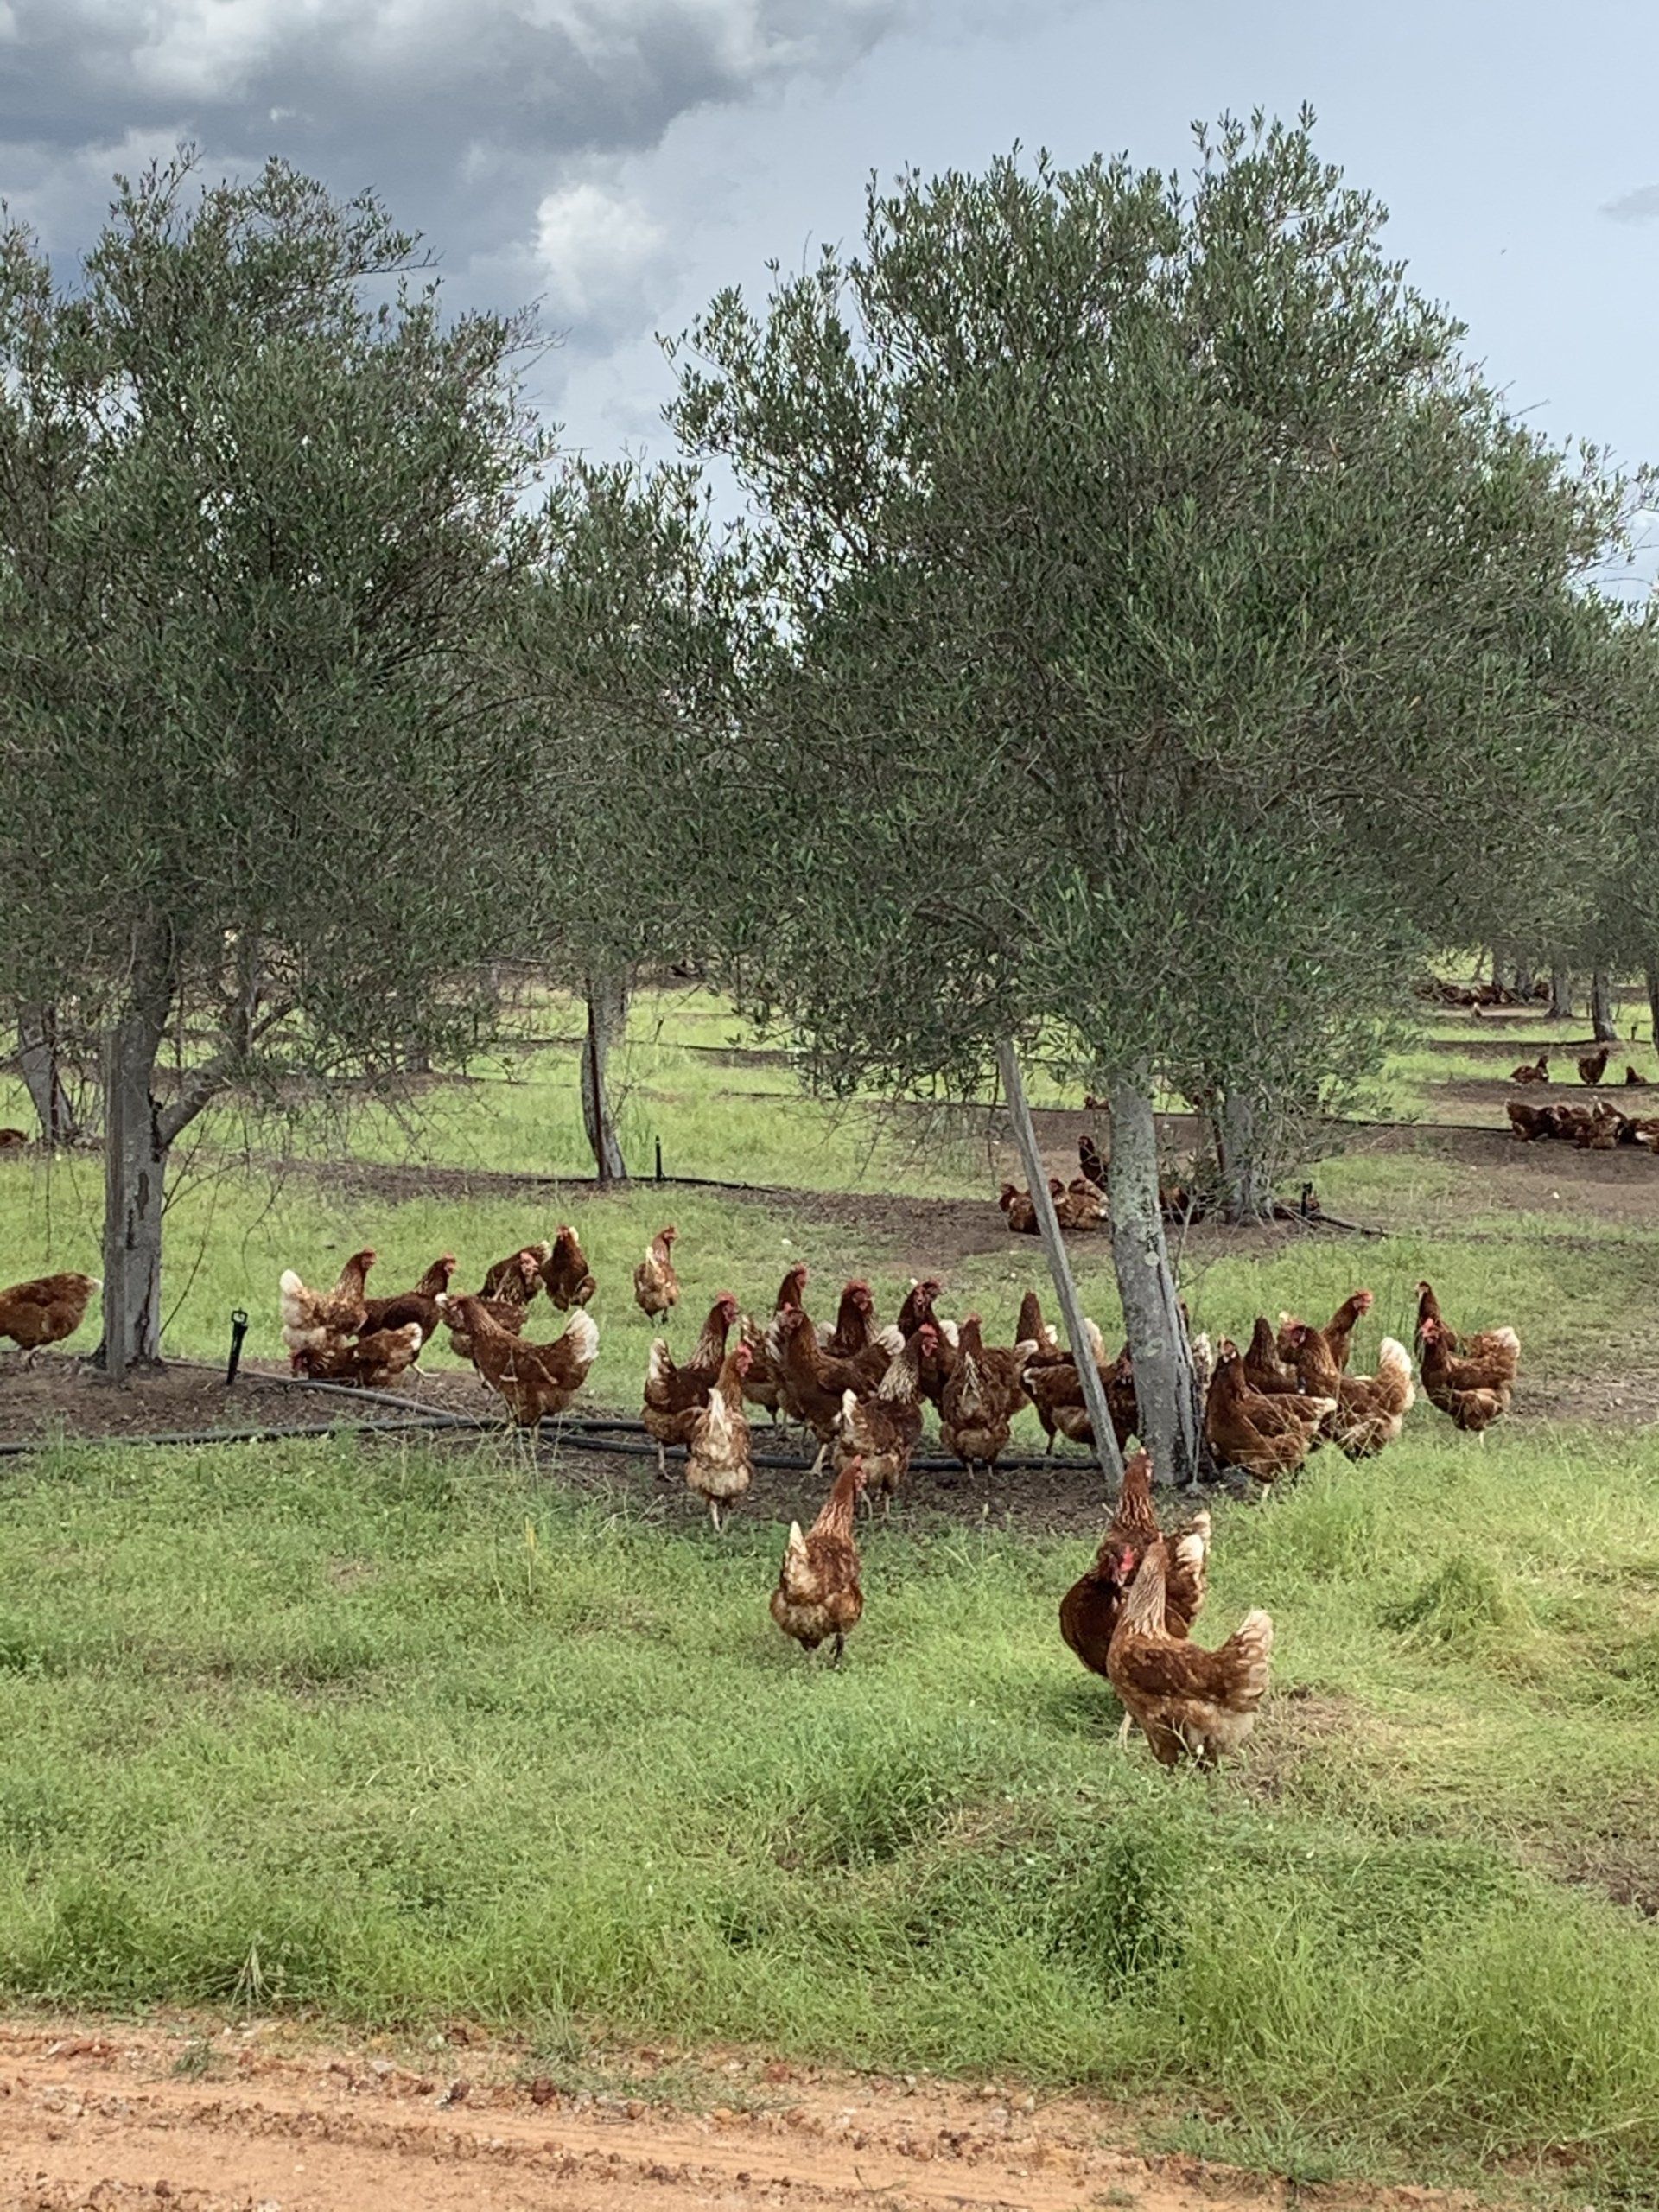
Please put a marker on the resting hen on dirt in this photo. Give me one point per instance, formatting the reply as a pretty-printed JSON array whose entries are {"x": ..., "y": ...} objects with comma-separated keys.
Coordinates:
[
  {"x": 566, "y": 1276},
  {"x": 369, "y": 1361},
  {"x": 985, "y": 1391},
  {"x": 507, "y": 1305},
  {"x": 1370, "y": 1409},
  {"x": 1183, "y": 1698},
  {"x": 1091, "y": 1608},
  {"x": 419, "y": 1305},
  {"x": 314, "y": 1319},
  {"x": 883, "y": 1430},
  {"x": 1266, "y": 1433},
  {"x": 1472, "y": 1390},
  {"x": 1021, "y": 1209},
  {"x": 675, "y": 1395},
  {"x": 1533, "y": 1071},
  {"x": 47, "y": 1310},
  {"x": 534, "y": 1381},
  {"x": 719, "y": 1464},
  {"x": 656, "y": 1286},
  {"x": 814, "y": 1384},
  {"x": 819, "y": 1595},
  {"x": 763, "y": 1385},
  {"x": 1085, "y": 1203}
]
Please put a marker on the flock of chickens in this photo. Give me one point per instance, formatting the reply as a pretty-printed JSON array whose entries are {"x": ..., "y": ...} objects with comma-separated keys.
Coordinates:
[
  {"x": 860, "y": 1389},
  {"x": 1599, "y": 1128}
]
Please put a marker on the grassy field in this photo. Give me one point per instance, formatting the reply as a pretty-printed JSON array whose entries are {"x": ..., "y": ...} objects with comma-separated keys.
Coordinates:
[
  {"x": 378, "y": 1732},
  {"x": 390, "y": 1733}
]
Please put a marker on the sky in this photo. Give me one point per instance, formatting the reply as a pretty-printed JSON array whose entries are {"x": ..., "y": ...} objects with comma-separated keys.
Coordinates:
[{"x": 619, "y": 161}]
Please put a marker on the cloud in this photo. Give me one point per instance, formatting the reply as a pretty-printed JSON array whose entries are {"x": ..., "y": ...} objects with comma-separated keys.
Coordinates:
[
  {"x": 468, "y": 116},
  {"x": 604, "y": 257},
  {"x": 1641, "y": 206}
]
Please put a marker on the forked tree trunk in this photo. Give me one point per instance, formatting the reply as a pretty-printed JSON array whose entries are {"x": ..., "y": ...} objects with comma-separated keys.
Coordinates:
[
  {"x": 1561, "y": 995},
  {"x": 37, "y": 1053},
  {"x": 1247, "y": 1194},
  {"x": 1601, "y": 1008},
  {"x": 1165, "y": 1383},
  {"x": 134, "y": 1173},
  {"x": 1059, "y": 1266},
  {"x": 608, "y": 1014}
]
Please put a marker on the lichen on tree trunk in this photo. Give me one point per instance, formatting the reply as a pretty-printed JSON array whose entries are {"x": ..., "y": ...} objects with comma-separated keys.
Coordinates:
[
  {"x": 1164, "y": 1385},
  {"x": 607, "y": 1015}
]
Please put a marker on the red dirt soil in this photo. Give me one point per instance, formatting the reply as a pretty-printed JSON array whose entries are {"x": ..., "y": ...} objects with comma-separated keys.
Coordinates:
[{"x": 191, "y": 2117}]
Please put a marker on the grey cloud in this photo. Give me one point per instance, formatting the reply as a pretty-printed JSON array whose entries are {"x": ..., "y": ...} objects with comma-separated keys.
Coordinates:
[
  {"x": 1641, "y": 206},
  {"x": 465, "y": 115}
]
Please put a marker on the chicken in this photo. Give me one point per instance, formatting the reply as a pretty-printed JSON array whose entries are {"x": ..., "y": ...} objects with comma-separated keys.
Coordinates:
[
  {"x": 883, "y": 1431},
  {"x": 46, "y": 1310},
  {"x": 1182, "y": 1697},
  {"x": 13, "y": 1139},
  {"x": 1533, "y": 1070},
  {"x": 419, "y": 1305},
  {"x": 1085, "y": 1204},
  {"x": 656, "y": 1286},
  {"x": 718, "y": 1463},
  {"x": 855, "y": 1327},
  {"x": 1055, "y": 1388},
  {"x": 819, "y": 1595},
  {"x": 1031, "y": 1328},
  {"x": 371, "y": 1360},
  {"x": 937, "y": 1365},
  {"x": 1370, "y": 1409},
  {"x": 1338, "y": 1333},
  {"x": 1021, "y": 1210},
  {"x": 1602, "y": 1130},
  {"x": 1529, "y": 1123},
  {"x": 1632, "y": 1079},
  {"x": 1089, "y": 1609},
  {"x": 675, "y": 1395},
  {"x": 1089, "y": 1160},
  {"x": 1266, "y": 1433},
  {"x": 983, "y": 1394},
  {"x": 814, "y": 1383},
  {"x": 566, "y": 1276},
  {"x": 1263, "y": 1368},
  {"x": 918, "y": 1307},
  {"x": 762, "y": 1385},
  {"x": 1474, "y": 1390},
  {"x": 515, "y": 1279},
  {"x": 535, "y": 1381},
  {"x": 313, "y": 1320},
  {"x": 1593, "y": 1066}
]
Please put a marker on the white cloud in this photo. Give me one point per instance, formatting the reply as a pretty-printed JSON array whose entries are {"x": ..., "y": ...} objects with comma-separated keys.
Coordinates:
[{"x": 603, "y": 255}]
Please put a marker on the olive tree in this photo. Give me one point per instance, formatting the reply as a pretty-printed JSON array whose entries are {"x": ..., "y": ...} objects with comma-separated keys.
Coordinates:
[
  {"x": 1145, "y": 559},
  {"x": 257, "y": 525}
]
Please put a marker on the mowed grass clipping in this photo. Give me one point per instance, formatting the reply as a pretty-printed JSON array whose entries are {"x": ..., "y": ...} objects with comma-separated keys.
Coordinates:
[{"x": 397, "y": 1734}]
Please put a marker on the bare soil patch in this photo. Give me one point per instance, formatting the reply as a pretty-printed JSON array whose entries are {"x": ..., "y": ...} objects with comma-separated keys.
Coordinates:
[{"x": 195, "y": 2116}]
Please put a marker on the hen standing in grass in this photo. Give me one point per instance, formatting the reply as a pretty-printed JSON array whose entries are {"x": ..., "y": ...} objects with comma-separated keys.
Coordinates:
[
  {"x": 505, "y": 1299},
  {"x": 656, "y": 1286},
  {"x": 1370, "y": 1409},
  {"x": 1091, "y": 1608},
  {"x": 985, "y": 1391},
  {"x": 763, "y": 1384},
  {"x": 885, "y": 1429},
  {"x": 818, "y": 1594},
  {"x": 419, "y": 1305},
  {"x": 535, "y": 1381},
  {"x": 1182, "y": 1697},
  {"x": 1473, "y": 1391},
  {"x": 1265, "y": 1433},
  {"x": 675, "y": 1395},
  {"x": 566, "y": 1276}
]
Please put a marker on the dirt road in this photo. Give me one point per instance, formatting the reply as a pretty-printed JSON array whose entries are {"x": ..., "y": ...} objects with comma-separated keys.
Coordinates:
[{"x": 199, "y": 2118}]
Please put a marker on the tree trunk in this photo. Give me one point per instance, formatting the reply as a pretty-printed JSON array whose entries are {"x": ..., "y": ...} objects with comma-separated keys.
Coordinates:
[
  {"x": 1525, "y": 981},
  {"x": 607, "y": 1015},
  {"x": 1601, "y": 1008},
  {"x": 1059, "y": 1266},
  {"x": 1245, "y": 1191},
  {"x": 1165, "y": 1383},
  {"x": 1561, "y": 995},
  {"x": 134, "y": 1173},
  {"x": 1653, "y": 1003},
  {"x": 37, "y": 1053}
]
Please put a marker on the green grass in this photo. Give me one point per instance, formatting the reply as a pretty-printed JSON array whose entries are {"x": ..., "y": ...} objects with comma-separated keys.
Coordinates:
[{"x": 392, "y": 1735}]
